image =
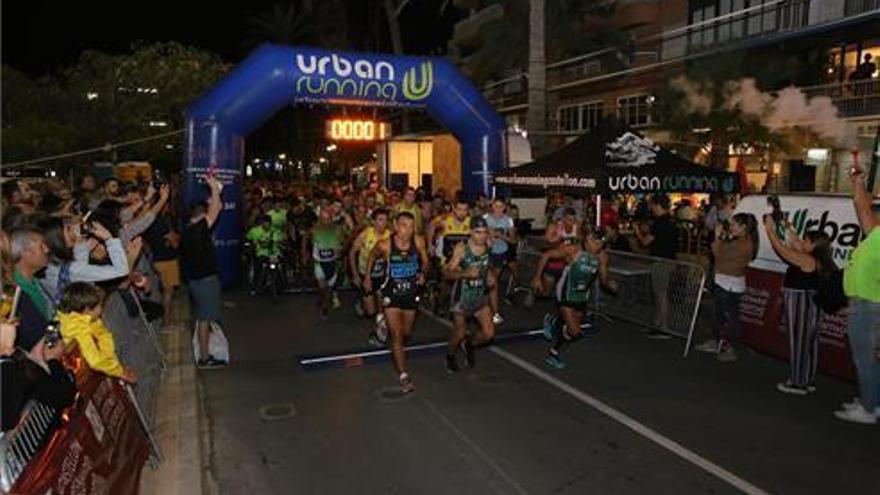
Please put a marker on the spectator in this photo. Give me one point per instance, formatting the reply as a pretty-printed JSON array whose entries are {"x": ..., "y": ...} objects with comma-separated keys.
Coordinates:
[
  {"x": 734, "y": 248},
  {"x": 163, "y": 242},
  {"x": 806, "y": 259},
  {"x": 30, "y": 255},
  {"x": 864, "y": 72},
  {"x": 18, "y": 194},
  {"x": 79, "y": 313},
  {"x": 31, "y": 373},
  {"x": 861, "y": 281},
  {"x": 200, "y": 265},
  {"x": 111, "y": 190},
  {"x": 660, "y": 241},
  {"x": 69, "y": 256},
  {"x": 685, "y": 211},
  {"x": 616, "y": 241},
  {"x": 87, "y": 190}
]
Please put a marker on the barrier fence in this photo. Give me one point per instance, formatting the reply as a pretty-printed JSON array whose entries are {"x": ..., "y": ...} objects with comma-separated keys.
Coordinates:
[
  {"x": 101, "y": 443},
  {"x": 654, "y": 293},
  {"x": 99, "y": 447}
]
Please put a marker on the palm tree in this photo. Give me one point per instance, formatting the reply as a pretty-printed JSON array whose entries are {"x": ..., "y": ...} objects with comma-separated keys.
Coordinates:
[
  {"x": 281, "y": 25},
  {"x": 536, "y": 119}
]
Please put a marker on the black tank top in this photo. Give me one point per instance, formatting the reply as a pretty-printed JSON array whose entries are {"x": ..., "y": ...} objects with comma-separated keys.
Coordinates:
[{"x": 795, "y": 278}]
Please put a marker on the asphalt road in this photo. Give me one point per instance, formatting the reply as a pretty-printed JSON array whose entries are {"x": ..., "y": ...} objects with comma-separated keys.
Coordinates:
[{"x": 628, "y": 415}]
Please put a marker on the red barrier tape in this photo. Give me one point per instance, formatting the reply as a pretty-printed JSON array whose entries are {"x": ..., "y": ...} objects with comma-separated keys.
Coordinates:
[
  {"x": 100, "y": 450},
  {"x": 762, "y": 316}
]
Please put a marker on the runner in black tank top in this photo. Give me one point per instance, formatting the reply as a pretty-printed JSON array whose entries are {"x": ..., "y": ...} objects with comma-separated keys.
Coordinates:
[{"x": 406, "y": 261}]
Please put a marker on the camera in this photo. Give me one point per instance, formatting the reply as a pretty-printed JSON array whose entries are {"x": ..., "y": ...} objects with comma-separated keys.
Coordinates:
[
  {"x": 52, "y": 335},
  {"x": 158, "y": 180}
]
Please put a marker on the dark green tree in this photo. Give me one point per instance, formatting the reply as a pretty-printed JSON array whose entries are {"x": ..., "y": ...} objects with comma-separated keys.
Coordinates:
[{"x": 695, "y": 109}]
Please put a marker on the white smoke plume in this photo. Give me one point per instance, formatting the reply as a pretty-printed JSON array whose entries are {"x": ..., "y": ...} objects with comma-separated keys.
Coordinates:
[
  {"x": 786, "y": 109},
  {"x": 696, "y": 100},
  {"x": 746, "y": 95}
]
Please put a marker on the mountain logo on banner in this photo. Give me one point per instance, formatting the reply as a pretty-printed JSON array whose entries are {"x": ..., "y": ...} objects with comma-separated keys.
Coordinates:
[{"x": 630, "y": 150}]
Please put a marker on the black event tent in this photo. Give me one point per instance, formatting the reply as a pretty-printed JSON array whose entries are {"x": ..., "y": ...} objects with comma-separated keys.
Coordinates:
[{"x": 613, "y": 163}]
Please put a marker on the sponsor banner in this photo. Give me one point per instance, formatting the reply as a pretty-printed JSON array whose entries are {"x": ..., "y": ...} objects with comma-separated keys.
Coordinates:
[
  {"x": 550, "y": 181},
  {"x": 670, "y": 182},
  {"x": 322, "y": 77},
  {"x": 833, "y": 215},
  {"x": 100, "y": 450},
  {"x": 763, "y": 320}
]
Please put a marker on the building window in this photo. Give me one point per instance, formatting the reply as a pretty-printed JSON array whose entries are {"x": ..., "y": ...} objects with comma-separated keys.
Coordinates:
[
  {"x": 580, "y": 117},
  {"x": 633, "y": 110},
  {"x": 591, "y": 114}
]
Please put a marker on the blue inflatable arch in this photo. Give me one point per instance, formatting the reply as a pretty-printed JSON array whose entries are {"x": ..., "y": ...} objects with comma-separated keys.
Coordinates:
[{"x": 218, "y": 123}]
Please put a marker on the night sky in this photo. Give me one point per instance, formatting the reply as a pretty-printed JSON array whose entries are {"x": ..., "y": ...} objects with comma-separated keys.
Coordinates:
[{"x": 40, "y": 36}]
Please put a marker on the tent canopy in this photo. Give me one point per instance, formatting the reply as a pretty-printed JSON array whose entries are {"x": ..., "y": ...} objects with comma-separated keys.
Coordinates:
[{"x": 614, "y": 163}]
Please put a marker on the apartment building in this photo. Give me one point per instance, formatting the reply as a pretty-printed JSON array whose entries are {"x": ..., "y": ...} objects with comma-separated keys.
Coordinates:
[{"x": 817, "y": 45}]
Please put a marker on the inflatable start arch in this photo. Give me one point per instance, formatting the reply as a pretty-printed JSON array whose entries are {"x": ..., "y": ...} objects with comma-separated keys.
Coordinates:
[{"x": 218, "y": 123}]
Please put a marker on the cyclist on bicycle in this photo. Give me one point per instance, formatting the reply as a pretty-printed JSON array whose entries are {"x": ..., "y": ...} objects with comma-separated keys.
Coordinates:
[{"x": 268, "y": 243}]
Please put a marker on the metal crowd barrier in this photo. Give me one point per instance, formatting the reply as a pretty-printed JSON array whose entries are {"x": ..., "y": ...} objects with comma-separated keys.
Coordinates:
[
  {"x": 138, "y": 348},
  {"x": 654, "y": 293},
  {"x": 19, "y": 445}
]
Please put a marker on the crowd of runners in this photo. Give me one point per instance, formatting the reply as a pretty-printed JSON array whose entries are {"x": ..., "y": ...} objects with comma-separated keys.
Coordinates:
[{"x": 409, "y": 250}]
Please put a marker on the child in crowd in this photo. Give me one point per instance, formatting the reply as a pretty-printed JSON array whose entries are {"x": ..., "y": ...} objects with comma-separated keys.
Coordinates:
[{"x": 80, "y": 316}]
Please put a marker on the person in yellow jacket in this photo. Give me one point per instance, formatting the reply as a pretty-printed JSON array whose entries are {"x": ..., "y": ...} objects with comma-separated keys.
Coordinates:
[{"x": 79, "y": 314}]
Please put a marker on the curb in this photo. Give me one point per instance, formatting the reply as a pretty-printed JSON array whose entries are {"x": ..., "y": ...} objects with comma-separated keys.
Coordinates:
[{"x": 179, "y": 424}]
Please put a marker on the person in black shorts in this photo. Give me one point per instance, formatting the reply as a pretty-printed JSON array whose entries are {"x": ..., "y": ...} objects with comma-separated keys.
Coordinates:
[
  {"x": 469, "y": 268},
  {"x": 406, "y": 261},
  {"x": 583, "y": 262}
]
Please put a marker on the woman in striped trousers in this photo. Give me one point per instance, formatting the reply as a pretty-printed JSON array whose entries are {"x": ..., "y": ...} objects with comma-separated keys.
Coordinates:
[{"x": 807, "y": 260}]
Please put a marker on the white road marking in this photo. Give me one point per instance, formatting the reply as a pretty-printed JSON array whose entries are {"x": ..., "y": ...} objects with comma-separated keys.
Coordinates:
[
  {"x": 476, "y": 448},
  {"x": 665, "y": 442}
]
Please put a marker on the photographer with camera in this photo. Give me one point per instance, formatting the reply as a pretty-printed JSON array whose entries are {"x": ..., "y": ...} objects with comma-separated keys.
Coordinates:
[
  {"x": 70, "y": 244},
  {"x": 29, "y": 342},
  {"x": 809, "y": 265},
  {"x": 735, "y": 246},
  {"x": 861, "y": 283}
]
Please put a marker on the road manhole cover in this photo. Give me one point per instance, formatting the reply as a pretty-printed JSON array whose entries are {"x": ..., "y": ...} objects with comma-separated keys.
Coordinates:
[
  {"x": 277, "y": 412},
  {"x": 390, "y": 394}
]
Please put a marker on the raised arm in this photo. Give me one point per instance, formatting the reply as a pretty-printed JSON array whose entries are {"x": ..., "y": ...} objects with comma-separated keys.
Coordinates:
[
  {"x": 789, "y": 255},
  {"x": 215, "y": 205},
  {"x": 862, "y": 202}
]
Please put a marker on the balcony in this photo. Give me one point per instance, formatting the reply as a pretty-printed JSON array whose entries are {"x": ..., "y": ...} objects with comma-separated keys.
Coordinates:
[
  {"x": 852, "y": 99},
  {"x": 746, "y": 27}
]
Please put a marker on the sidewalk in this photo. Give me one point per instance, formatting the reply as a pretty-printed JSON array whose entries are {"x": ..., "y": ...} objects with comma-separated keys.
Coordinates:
[{"x": 179, "y": 421}]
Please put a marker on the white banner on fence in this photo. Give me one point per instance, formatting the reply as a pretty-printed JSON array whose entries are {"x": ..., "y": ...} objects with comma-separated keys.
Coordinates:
[{"x": 833, "y": 215}]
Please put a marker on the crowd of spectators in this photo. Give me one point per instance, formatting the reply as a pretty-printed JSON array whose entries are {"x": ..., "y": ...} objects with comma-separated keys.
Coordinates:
[{"x": 79, "y": 274}]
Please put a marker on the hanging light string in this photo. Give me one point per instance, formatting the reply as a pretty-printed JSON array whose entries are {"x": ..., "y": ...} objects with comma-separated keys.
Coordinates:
[{"x": 97, "y": 149}]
